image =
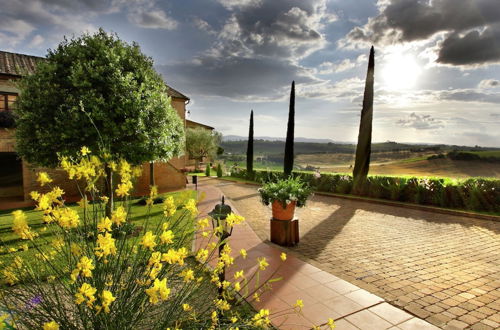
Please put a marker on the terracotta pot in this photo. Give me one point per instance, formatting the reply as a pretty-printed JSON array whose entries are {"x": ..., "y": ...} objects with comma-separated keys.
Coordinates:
[{"x": 280, "y": 213}]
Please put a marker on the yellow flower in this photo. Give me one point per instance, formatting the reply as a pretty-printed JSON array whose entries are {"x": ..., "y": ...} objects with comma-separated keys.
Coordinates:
[
  {"x": 35, "y": 195},
  {"x": 83, "y": 203},
  {"x": 237, "y": 286},
  {"x": 9, "y": 276},
  {"x": 261, "y": 319},
  {"x": 283, "y": 256},
  {"x": 234, "y": 219},
  {"x": 186, "y": 307},
  {"x": 75, "y": 250},
  {"x": 20, "y": 226},
  {"x": 234, "y": 319},
  {"x": 104, "y": 225},
  {"x": 299, "y": 303},
  {"x": 66, "y": 218},
  {"x": 202, "y": 223},
  {"x": 169, "y": 207},
  {"x": 52, "y": 325},
  {"x": 222, "y": 304},
  {"x": 153, "y": 192},
  {"x": 172, "y": 256},
  {"x": 202, "y": 255},
  {"x": 105, "y": 245},
  {"x": 243, "y": 253},
  {"x": 43, "y": 178},
  {"x": 167, "y": 237},
  {"x": 119, "y": 215},
  {"x": 191, "y": 207},
  {"x": 85, "y": 293},
  {"x": 159, "y": 291},
  {"x": 107, "y": 298},
  {"x": 148, "y": 240},
  {"x": 123, "y": 189},
  {"x": 85, "y": 151},
  {"x": 331, "y": 324},
  {"x": 105, "y": 199},
  {"x": 188, "y": 275},
  {"x": 25, "y": 247},
  {"x": 84, "y": 267},
  {"x": 238, "y": 274},
  {"x": 263, "y": 263}
]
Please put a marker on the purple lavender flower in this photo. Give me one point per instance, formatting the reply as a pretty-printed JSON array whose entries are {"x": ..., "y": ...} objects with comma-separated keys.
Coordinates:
[{"x": 33, "y": 302}]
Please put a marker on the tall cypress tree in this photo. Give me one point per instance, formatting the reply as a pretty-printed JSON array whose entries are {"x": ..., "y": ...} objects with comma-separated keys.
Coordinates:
[
  {"x": 250, "y": 146},
  {"x": 288, "y": 161},
  {"x": 363, "y": 149}
]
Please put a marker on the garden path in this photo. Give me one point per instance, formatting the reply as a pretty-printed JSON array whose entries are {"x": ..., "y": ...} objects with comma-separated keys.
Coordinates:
[
  {"x": 324, "y": 294},
  {"x": 441, "y": 268}
]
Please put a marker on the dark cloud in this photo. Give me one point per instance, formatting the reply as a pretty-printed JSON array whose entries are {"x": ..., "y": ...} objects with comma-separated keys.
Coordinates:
[
  {"x": 420, "y": 122},
  {"x": 410, "y": 20},
  {"x": 240, "y": 79},
  {"x": 473, "y": 48},
  {"x": 256, "y": 52}
]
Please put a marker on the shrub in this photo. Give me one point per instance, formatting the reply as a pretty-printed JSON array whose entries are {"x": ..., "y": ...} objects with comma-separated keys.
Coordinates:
[
  {"x": 219, "y": 170},
  {"x": 475, "y": 194},
  {"x": 207, "y": 170}
]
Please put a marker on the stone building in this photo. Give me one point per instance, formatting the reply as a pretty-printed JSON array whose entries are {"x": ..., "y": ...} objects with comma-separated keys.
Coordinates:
[{"x": 18, "y": 178}]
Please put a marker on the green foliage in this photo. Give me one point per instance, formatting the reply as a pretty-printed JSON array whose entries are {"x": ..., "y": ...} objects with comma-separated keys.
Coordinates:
[
  {"x": 363, "y": 149},
  {"x": 201, "y": 142},
  {"x": 288, "y": 159},
  {"x": 285, "y": 191},
  {"x": 475, "y": 194},
  {"x": 207, "y": 170},
  {"x": 219, "y": 170},
  {"x": 98, "y": 91}
]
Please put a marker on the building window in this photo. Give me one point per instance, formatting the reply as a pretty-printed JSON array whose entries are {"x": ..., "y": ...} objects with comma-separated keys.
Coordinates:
[{"x": 7, "y": 101}]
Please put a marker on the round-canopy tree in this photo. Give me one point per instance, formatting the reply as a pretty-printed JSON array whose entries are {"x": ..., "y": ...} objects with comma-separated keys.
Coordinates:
[
  {"x": 126, "y": 109},
  {"x": 201, "y": 142}
]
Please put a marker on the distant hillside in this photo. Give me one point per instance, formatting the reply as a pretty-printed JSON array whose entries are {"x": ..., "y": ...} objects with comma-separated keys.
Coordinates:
[
  {"x": 226, "y": 138},
  {"x": 266, "y": 147}
]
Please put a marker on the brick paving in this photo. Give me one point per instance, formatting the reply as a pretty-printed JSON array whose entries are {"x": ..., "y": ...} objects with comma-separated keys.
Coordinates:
[
  {"x": 324, "y": 295},
  {"x": 444, "y": 269}
]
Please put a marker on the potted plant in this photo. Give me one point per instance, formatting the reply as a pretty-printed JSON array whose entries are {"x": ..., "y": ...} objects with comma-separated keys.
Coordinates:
[{"x": 284, "y": 195}]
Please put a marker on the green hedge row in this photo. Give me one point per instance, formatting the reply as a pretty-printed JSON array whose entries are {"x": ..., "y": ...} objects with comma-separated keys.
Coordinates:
[{"x": 475, "y": 194}]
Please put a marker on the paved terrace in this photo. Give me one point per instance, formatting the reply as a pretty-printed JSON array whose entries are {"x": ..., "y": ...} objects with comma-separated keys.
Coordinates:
[
  {"x": 441, "y": 268},
  {"x": 324, "y": 295}
]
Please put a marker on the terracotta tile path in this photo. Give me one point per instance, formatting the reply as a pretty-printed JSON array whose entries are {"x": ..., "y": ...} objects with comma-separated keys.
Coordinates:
[
  {"x": 444, "y": 269},
  {"x": 324, "y": 295}
]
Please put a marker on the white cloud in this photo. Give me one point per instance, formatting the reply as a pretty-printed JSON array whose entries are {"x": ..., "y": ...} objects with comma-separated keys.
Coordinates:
[
  {"x": 36, "y": 41},
  {"x": 152, "y": 19},
  {"x": 489, "y": 83},
  {"x": 420, "y": 122}
]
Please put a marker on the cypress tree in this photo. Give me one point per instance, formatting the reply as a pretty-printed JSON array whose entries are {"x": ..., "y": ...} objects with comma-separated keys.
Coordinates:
[
  {"x": 250, "y": 147},
  {"x": 363, "y": 148},
  {"x": 288, "y": 161}
]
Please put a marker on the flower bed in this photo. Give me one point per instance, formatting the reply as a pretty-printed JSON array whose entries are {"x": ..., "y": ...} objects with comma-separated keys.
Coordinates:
[{"x": 474, "y": 194}]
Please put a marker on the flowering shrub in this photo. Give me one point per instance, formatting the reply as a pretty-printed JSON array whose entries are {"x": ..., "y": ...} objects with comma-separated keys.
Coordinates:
[
  {"x": 477, "y": 194},
  {"x": 94, "y": 274},
  {"x": 285, "y": 191}
]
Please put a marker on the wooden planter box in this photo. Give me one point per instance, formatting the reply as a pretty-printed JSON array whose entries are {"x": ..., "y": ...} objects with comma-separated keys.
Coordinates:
[{"x": 285, "y": 232}]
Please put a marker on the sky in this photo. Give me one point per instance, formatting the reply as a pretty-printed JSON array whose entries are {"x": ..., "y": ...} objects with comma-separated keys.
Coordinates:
[{"x": 437, "y": 63}]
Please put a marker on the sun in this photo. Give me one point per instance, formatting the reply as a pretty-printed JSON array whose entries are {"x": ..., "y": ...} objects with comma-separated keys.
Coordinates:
[{"x": 401, "y": 71}]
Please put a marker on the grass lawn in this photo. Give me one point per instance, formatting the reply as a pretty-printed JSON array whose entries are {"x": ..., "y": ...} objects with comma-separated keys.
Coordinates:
[{"x": 10, "y": 242}]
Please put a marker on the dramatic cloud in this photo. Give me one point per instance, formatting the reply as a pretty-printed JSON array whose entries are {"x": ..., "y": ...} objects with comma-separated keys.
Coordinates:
[
  {"x": 420, "y": 122},
  {"x": 470, "y": 28},
  {"x": 489, "y": 83},
  {"x": 152, "y": 19},
  {"x": 256, "y": 52},
  {"x": 204, "y": 26}
]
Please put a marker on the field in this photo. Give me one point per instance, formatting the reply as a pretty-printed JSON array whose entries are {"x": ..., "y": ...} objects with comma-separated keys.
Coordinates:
[{"x": 423, "y": 167}]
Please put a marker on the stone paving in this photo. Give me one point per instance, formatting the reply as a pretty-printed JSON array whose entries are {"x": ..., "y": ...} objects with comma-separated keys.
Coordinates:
[
  {"x": 324, "y": 295},
  {"x": 441, "y": 268}
]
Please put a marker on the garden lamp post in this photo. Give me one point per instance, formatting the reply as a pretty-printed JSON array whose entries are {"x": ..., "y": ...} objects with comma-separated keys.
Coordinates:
[{"x": 219, "y": 215}]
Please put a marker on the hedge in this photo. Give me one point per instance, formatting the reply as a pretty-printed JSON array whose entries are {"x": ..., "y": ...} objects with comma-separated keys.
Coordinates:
[{"x": 475, "y": 194}]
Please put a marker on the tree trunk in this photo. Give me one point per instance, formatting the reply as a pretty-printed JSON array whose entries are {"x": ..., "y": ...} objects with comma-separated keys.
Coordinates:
[
  {"x": 109, "y": 191},
  {"x": 250, "y": 146},
  {"x": 151, "y": 174},
  {"x": 288, "y": 161},
  {"x": 363, "y": 148}
]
